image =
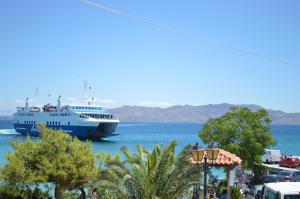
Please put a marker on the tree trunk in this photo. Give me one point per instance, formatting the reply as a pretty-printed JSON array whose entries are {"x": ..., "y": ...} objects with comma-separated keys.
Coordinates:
[{"x": 59, "y": 192}]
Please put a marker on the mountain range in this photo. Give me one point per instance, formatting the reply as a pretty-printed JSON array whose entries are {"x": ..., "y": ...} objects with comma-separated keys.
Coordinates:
[{"x": 189, "y": 113}]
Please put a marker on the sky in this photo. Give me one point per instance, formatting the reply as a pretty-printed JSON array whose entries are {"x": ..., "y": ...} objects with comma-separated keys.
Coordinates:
[{"x": 56, "y": 45}]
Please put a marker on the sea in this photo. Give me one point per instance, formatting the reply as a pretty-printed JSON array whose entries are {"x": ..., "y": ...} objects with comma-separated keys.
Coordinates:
[{"x": 147, "y": 134}]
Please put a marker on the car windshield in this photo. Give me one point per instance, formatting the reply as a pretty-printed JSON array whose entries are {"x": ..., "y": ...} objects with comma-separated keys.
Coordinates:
[{"x": 284, "y": 173}]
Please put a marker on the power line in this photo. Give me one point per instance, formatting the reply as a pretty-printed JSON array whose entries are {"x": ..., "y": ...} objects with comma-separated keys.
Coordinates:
[{"x": 190, "y": 35}]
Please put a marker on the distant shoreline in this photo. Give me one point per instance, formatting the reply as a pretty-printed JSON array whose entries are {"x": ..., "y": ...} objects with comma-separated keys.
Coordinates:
[{"x": 188, "y": 114}]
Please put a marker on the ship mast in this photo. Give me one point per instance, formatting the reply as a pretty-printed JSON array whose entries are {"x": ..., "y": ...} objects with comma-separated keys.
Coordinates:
[
  {"x": 26, "y": 104},
  {"x": 58, "y": 103}
]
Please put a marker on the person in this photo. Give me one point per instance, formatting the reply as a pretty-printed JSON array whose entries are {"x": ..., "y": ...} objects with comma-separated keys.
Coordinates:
[
  {"x": 196, "y": 146},
  {"x": 95, "y": 194},
  {"x": 36, "y": 193},
  {"x": 212, "y": 145},
  {"x": 82, "y": 195}
]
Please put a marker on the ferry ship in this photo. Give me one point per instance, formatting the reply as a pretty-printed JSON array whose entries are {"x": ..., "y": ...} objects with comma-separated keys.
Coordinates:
[{"x": 82, "y": 121}]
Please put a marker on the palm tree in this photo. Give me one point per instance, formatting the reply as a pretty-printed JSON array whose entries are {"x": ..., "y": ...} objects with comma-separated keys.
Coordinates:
[{"x": 160, "y": 174}]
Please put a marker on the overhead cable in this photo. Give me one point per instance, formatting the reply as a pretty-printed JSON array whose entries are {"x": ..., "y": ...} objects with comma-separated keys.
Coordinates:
[{"x": 190, "y": 35}]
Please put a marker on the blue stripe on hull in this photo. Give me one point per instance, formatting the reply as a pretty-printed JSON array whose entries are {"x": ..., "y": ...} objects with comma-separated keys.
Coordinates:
[{"x": 82, "y": 132}]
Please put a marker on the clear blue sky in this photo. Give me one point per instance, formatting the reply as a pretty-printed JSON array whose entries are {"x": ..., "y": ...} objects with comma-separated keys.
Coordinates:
[{"x": 56, "y": 45}]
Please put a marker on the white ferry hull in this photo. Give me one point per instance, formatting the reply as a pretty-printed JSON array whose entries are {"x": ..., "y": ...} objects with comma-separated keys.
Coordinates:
[{"x": 82, "y": 121}]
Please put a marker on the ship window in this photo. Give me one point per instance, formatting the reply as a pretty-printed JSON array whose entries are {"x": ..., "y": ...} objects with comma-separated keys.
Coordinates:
[
  {"x": 59, "y": 123},
  {"x": 68, "y": 123}
]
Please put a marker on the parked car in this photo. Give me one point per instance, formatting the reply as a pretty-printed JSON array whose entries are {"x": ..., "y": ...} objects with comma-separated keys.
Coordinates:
[
  {"x": 269, "y": 178},
  {"x": 262, "y": 180},
  {"x": 290, "y": 162},
  {"x": 282, "y": 190},
  {"x": 252, "y": 193},
  {"x": 286, "y": 176}
]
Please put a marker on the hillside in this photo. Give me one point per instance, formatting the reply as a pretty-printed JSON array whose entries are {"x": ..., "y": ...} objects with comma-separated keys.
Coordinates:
[{"x": 188, "y": 113}]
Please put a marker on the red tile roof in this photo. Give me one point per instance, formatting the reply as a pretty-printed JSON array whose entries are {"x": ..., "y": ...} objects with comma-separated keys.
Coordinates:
[{"x": 224, "y": 158}]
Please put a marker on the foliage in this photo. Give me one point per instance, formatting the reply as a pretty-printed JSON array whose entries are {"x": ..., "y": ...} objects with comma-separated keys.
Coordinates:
[
  {"x": 243, "y": 132},
  {"x": 222, "y": 188},
  {"x": 236, "y": 193},
  {"x": 57, "y": 158},
  {"x": 7, "y": 191},
  {"x": 148, "y": 175}
]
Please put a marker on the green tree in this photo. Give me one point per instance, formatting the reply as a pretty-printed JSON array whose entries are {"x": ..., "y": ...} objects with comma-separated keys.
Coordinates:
[
  {"x": 148, "y": 175},
  {"x": 56, "y": 158},
  {"x": 243, "y": 132}
]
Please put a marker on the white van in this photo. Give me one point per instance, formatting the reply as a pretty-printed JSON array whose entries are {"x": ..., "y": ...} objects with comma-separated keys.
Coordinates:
[
  {"x": 271, "y": 156},
  {"x": 281, "y": 190}
]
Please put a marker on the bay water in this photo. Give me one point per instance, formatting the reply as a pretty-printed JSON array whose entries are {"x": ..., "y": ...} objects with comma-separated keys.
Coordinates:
[{"x": 146, "y": 134}]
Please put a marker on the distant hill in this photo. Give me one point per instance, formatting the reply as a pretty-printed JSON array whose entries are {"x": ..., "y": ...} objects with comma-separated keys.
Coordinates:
[
  {"x": 5, "y": 117},
  {"x": 188, "y": 113}
]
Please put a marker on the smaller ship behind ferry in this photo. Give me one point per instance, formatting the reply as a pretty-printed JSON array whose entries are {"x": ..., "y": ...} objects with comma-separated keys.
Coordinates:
[{"x": 82, "y": 121}]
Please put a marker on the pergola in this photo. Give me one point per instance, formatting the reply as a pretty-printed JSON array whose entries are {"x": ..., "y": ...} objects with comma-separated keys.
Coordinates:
[{"x": 223, "y": 159}]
